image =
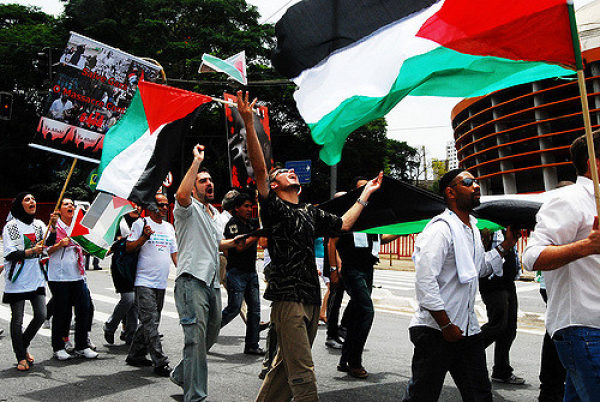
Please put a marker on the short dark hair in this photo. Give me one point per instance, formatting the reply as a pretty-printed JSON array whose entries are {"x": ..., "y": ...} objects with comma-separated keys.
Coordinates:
[
  {"x": 240, "y": 200},
  {"x": 203, "y": 169},
  {"x": 447, "y": 179},
  {"x": 579, "y": 152},
  {"x": 355, "y": 181}
]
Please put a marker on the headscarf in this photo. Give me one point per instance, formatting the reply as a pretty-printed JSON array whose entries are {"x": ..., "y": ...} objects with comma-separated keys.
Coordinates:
[{"x": 18, "y": 212}]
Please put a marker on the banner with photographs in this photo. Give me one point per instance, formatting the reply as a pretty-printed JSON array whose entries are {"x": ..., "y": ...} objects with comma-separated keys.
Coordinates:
[
  {"x": 242, "y": 174},
  {"x": 93, "y": 86}
]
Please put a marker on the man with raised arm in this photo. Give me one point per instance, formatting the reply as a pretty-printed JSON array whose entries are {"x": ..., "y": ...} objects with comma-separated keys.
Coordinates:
[
  {"x": 294, "y": 282},
  {"x": 197, "y": 283}
]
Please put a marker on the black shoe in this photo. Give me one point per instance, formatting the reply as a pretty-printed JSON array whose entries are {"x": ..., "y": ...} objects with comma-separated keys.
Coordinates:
[
  {"x": 254, "y": 351},
  {"x": 343, "y": 367},
  {"x": 262, "y": 326},
  {"x": 263, "y": 373},
  {"x": 138, "y": 362},
  {"x": 163, "y": 371}
]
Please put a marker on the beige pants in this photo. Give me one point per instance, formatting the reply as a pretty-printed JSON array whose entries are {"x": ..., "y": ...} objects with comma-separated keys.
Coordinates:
[{"x": 293, "y": 371}]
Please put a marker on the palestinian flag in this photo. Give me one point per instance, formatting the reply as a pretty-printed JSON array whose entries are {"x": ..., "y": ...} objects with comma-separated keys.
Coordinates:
[
  {"x": 95, "y": 231},
  {"x": 138, "y": 150},
  {"x": 234, "y": 66},
  {"x": 354, "y": 60}
]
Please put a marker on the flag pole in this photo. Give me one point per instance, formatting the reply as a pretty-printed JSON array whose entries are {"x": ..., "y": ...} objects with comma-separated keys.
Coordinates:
[
  {"x": 62, "y": 193},
  {"x": 584, "y": 104}
]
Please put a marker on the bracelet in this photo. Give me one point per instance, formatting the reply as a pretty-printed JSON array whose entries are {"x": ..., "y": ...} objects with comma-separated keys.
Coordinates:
[
  {"x": 361, "y": 202},
  {"x": 446, "y": 326}
]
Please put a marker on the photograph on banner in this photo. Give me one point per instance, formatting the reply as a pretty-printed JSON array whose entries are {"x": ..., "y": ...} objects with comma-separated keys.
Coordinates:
[
  {"x": 92, "y": 86},
  {"x": 242, "y": 174}
]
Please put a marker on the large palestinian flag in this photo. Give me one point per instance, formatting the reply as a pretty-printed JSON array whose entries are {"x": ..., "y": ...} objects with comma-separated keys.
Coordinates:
[
  {"x": 138, "y": 150},
  {"x": 354, "y": 60}
]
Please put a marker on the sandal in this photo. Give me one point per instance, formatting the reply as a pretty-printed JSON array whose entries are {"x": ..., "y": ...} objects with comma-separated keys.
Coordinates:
[
  {"x": 29, "y": 359},
  {"x": 23, "y": 365},
  {"x": 359, "y": 372}
]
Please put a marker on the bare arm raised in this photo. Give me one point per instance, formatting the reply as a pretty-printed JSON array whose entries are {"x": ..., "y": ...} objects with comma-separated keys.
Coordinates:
[
  {"x": 257, "y": 159},
  {"x": 184, "y": 192}
]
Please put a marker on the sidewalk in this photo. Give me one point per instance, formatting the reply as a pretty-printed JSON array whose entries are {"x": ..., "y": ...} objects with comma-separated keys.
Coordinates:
[{"x": 406, "y": 264}]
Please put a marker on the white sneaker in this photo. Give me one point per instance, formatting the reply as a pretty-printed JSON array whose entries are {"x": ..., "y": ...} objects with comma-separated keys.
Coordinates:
[
  {"x": 69, "y": 346},
  {"x": 87, "y": 353},
  {"x": 62, "y": 355}
]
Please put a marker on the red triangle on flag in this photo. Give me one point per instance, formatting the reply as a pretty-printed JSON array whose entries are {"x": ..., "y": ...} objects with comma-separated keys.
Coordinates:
[
  {"x": 164, "y": 104},
  {"x": 119, "y": 202},
  {"x": 78, "y": 228}
]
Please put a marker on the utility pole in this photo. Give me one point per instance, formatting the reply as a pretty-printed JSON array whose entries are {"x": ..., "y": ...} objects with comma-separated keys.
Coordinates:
[{"x": 333, "y": 181}]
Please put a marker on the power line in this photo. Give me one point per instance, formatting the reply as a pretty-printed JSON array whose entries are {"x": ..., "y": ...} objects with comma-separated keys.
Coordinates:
[{"x": 280, "y": 8}]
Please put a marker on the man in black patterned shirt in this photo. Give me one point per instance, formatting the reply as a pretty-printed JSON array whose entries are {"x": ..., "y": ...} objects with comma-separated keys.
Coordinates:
[{"x": 294, "y": 282}]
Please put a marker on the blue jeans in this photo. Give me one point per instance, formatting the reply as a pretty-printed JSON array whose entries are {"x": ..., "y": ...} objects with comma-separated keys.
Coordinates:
[
  {"x": 243, "y": 286},
  {"x": 199, "y": 308},
  {"x": 434, "y": 357},
  {"x": 579, "y": 351},
  {"x": 360, "y": 310}
]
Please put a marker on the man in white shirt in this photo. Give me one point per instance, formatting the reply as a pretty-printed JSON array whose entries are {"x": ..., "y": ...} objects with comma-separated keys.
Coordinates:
[
  {"x": 60, "y": 107},
  {"x": 155, "y": 240},
  {"x": 566, "y": 246},
  {"x": 449, "y": 257}
]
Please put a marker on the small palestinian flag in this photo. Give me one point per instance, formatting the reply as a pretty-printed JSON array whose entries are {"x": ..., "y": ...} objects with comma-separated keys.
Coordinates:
[
  {"x": 354, "y": 60},
  {"x": 235, "y": 66},
  {"x": 95, "y": 231},
  {"x": 139, "y": 149}
]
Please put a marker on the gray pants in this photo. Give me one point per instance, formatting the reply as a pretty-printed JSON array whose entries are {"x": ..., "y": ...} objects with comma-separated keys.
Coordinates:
[
  {"x": 199, "y": 308},
  {"x": 147, "y": 339},
  {"x": 125, "y": 308}
]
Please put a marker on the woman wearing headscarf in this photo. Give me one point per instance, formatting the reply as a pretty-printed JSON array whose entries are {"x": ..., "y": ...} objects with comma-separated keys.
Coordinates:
[
  {"x": 25, "y": 279},
  {"x": 66, "y": 273}
]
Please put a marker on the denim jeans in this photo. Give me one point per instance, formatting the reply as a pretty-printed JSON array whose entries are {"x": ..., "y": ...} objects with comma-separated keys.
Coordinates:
[
  {"x": 579, "y": 352},
  {"x": 243, "y": 286},
  {"x": 67, "y": 295},
  {"x": 21, "y": 339},
  {"x": 434, "y": 357},
  {"x": 199, "y": 308},
  {"x": 147, "y": 338},
  {"x": 360, "y": 310}
]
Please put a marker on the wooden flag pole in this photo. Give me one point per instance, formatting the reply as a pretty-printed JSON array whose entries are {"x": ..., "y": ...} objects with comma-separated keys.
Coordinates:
[
  {"x": 584, "y": 103},
  {"x": 62, "y": 193},
  {"x": 589, "y": 137}
]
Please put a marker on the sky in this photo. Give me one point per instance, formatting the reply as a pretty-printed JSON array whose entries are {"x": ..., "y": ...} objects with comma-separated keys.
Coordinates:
[{"x": 420, "y": 121}]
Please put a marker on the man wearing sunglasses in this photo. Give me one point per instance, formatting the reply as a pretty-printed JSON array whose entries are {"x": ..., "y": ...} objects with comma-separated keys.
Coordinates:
[
  {"x": 565, "y": 244},
  {"x": 449, "y": 258},
  {"x": 293, "y": 285},
  {"x": 155, "y": 240}
]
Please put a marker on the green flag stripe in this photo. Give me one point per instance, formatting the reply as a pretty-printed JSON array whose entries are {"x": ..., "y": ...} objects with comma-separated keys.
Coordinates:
[
  {"x": 407, "y": 228},
  {"x": 90, "y": 247}
]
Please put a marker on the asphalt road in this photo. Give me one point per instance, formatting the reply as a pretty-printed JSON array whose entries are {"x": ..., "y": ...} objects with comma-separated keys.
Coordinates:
[{"x": 233, "y": 375}]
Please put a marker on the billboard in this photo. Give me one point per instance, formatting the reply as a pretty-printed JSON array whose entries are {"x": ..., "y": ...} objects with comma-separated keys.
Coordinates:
[{"x": 93, "y": 86}]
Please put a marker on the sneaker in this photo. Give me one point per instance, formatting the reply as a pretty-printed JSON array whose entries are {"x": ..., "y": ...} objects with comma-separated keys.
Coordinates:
[
  {"x": 138, "y": 362},
  {"x": 87, "y": 353},
  {"x": 513, "y": 379},
  {"x": 174, "y": 380},
  {"x": 62, "y": 355},
  {"x": 91, "y": 344},
  {"x": 254, "y": 351},
  {"x": 333, "y": 343},
  {"x": 163, "y": 371},
  {"x": 47, "y": 324},
  {"x": 69, "y": 346}
]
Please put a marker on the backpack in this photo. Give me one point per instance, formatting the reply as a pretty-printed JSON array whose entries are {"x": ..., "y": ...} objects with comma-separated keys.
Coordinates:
[{"x": 126, "y": 263}]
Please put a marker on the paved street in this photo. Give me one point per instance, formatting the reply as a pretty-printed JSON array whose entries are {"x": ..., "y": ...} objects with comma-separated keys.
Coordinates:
[{"x": 233, "y": 375}]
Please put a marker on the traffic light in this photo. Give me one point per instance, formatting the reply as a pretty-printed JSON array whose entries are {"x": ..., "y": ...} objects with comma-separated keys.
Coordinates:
[{"x": 6, "y": 99}]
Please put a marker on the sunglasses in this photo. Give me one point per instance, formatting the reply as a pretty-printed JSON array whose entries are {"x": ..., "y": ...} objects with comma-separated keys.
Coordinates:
[
  {"x": 162, "y": 204},
  {"x": 467, "y": 182},
  {"x": 278, "y": 172}
]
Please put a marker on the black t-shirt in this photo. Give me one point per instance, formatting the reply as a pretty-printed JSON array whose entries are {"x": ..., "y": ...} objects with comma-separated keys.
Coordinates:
[
  {"x": 243, "y": 260},
  {"x": 292, "y": 230},
  {"x": 356, "y": 258}
]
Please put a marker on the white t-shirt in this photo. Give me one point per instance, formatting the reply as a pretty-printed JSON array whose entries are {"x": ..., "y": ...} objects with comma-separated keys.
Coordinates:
[{"x": 155, "y": 255}]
